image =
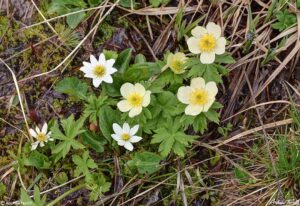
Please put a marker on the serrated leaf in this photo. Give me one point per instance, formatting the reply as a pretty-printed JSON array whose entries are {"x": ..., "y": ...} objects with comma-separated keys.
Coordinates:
[
  {"x": 123, "y": 60},
  {"x": 93, "y": 140},
  {"x": 224, "y": 59},
  {"x": 72, "y": 86},
  {"x": 145, "y": 162},
  {"x": 212, "y": 115}
]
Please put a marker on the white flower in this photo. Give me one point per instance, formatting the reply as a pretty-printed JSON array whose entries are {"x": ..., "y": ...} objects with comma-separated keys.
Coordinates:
[
  {"x": 207, "y": 42},
  {"x": 99, "y": 70},
  {"x": 176, "y": 62},
  {"x": 42, "y": 136},
  {"x": 135, "y": 98},
  {"x": 126, "y": 136},
  {"x": 199, "y": 96}
]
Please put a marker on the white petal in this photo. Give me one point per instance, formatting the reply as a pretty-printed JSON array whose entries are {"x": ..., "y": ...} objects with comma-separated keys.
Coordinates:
[
  {"x": 193, "y": 110},
  {"x": 146, "y": 99},
  {"x": 198, "y": 83},
  {"x": 140, "y": 89},
  {"x": 111, "y": 70},
  {"x": 135, "y": 111},
  {"x": 220, "y": 47},
  {"x": 108, "y": 79},
  {"x": 101, "y": 58},
  {"x": 135, "y": 139},
  {"x": 207, "y": 58},
  {"x": 110, "y": 62},
  {"x": 121, "y": 142},
  {"x": 134, "y": 130},
  {"x": 214, "y": 29},
  {"x": 97, "y": 82},
  {"x": 170, "y": 59},
  {"x": 124, "y": 106},
  {"x": 117, "y": 129},
  {"x": 49, "y": 133},
  {"x": 183, "y": 94},
  {"x": 34, "y": 145},
  {"x": 128, "y": 146},
  {"x": 208, "y": 105},
  {"x": 50, "y": 139},
  {"x": 93, "y": 60},
  {"x": 32, "y": 133},
  {"x": 86, "y": 69},
  {"x": 37, "y": 130},
  {"x": 42, "y": 144},
  {"x": 193, "y": 44},
  {"x": 45, "y": 128},
  {"x": 126, "y": 128},
  {"x": 127, "y": 89},
  {"x": 116, "y": 137},
  {"x": 198, "y": 31},
  {"x": 211, "y": 88}
]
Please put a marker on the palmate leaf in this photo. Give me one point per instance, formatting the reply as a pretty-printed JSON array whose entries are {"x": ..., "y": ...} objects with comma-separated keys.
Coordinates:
[
  {"x": 171, "y": 137},
  {"x": 71, "y": 129},
  {"x": 83, "y": 165},
  {"x": 73, "y": 87},
  {"x": 93, "y": 107},
  {"x": 145, "y": 162}
]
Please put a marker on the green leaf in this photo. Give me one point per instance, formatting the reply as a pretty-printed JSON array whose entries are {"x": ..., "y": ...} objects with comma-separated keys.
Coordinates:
[
  {"x": 72, "y": 86},
  {"x": 212, "y": 115},
  {"x": 93, "y": 140},
  {"x": 145, "y": 162},
  {"x": 123, "y": 60},
  {"x": 83, "y": 165},
  {"x": 75, "y": 19},
  {"x": 128, "y": 3},
  {"x": 93, "y": 107},
  {"x": 285, "y": 19},
  {"x": 224, "y": 59},
  {"x": 157, "y": 3},
  {"x": 37, "y": 160},
  {"x": 211, "y": 74},
  {"x": 98, "y": 186},
  {"x": 107, "y": 117},
  {"x": 37, "y": 200},
  {"x": 71, "y": 129}
]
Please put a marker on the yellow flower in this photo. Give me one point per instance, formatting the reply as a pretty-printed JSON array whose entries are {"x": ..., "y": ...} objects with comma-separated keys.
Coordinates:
[
  {"x": 207, "y": 42},
  {"x": 176, "y": 62},
  {"x": 198, "y": 96},
  {"x": 135, "y": 98}
]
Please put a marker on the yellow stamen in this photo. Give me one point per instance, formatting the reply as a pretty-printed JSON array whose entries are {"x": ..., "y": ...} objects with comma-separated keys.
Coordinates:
[
  {"x": 99, "y": 70},
  {"x": 41, "y": 137},
  {"x": 199, "y": 97},
  {"x": 207, "y": 43},
  {"x": 135, "y": 100},
  {"x": 125, "y": 136}
]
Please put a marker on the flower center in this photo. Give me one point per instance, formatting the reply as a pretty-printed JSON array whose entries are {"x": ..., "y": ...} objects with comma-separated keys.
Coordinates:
[
  {"x": 199, "y": 97},
  {"x": 135, "y": 100},
  {"x": 177, "y": 65},
  {"x": 125, "y": 136},
  {"x": 207, "y": 43},
  {"x": 99, "y": 70},
  {"x": 41, "y": 137}
]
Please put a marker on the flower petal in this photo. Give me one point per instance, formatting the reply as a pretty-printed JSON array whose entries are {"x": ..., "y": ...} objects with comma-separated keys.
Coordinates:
[
  {"x": 102, "y": 58},
  {"x": 121, "y": 142},
  {"x": 193, "y": 44},
  {"x": 183, "y": 94},
  {"x": 170, "y": 59},
  {"x": 111, "y": 70},
  {"x": 126, "y": 128},
  {"x": 134, "y": 130},
  {"x": 214, "y": 29},
  {"x": 124, "y": 106},
  {"x": 140, "y": 89},
  {"x": 198, "y": 83},
  {"x": 198, "y": 31},
  {"x": 146, "y": 99},
  {"x": 207, "y": 58},
  {"x": 193, "y": 110},
  {"x": 135, "y": 111},
  {"x": 208, "y": 105},
  {"x": 116, "y": 137},
  {"x": 127, "y": 89},
  {"x": 135, "y": 139},
  {"x": 32, "y": 133},
  {"x": 108, "y": 79},
  {"x": 97, "y": 82},
  {"x": 110, "y": 62},
  {"x": 37, "y": 130},
  {"x": 34, "y": 145},
  {"x": 117, "y": 129},
  {"x": 42, "y": 144},
  {"x": 93, "y": 60},
  {"x": 128, "y": 146},
  {"x": 211, "y": 88},
  {"x": 45, "y": 128},
  {"x": 220, "y": 47}
]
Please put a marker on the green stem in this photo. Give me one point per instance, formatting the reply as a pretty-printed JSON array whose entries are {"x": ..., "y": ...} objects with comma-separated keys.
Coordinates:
[{"x": 65, "y": 195}]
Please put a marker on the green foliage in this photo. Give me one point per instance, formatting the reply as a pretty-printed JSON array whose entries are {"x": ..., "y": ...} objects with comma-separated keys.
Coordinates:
[
  {"x": 37, "y": 160},
  {"x": 93, "y": 107},
  {"x": 2, "y": 190},
  {"x": 72, "y": 86},
  {"x": 94, "y": 141},
  {"x": 98, "y": 186},
  {"x": 71, "y": 129},
  {"x": 145, "y": 162},
  {"x": 61, "y": 178},
  {"x": 224, "y": 131},
  {"x": 37, "y": 200},
  {"x": 157, "y": 3},
  {"x": 83, "y": 165},
  {"x": 107, "y": 117},
  {"x": 285, "y": 19},
  {"x": 172, "y": 138},
  {"x": 123, "y": 60}
]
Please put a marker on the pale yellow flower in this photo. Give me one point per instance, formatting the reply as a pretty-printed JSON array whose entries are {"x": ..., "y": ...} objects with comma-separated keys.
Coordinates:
[
  {"x": 135, "y": 98},
  {"x": 207, "y": 42},
  {"x": 176, "y": 62},
  {"x": 198, "y": 96}
]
